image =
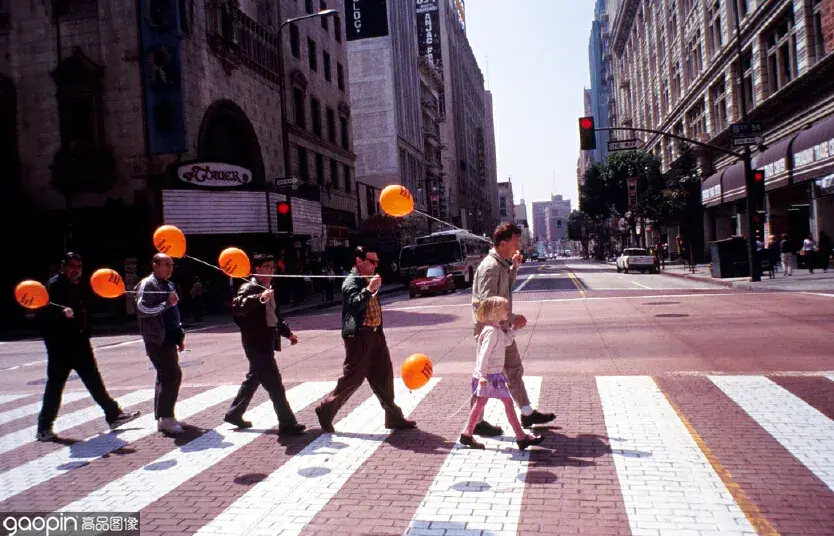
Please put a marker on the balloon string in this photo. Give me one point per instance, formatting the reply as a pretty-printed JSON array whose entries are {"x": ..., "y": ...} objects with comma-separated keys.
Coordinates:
[
  {"x": 452, "y": 226},
  {"x": 58, "y": 305},
  {"x": 218, "y": 268}
]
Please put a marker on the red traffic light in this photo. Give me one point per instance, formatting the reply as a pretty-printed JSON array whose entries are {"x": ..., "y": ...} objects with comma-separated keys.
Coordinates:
[
  {"x": 586, "y": 122},
  {"x": 758, "y": 175},
  {"x": 283, "y": 208}
]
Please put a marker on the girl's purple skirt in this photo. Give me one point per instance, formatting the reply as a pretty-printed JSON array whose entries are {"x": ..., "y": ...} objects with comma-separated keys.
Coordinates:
[{"x": 496, "y": 386}]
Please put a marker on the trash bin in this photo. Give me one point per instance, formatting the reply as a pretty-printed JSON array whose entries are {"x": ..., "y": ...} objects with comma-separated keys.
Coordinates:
[{"x": 729, "y": 258}]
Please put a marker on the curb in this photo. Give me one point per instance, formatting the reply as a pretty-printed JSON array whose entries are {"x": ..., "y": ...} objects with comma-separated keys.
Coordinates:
[{"x": 728, "y": 284}]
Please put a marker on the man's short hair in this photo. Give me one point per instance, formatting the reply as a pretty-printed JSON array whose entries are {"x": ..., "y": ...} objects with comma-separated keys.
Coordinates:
[
  {"x": 159, "y": 257},
  {"x": 505, "y": 233},
  {"x": 70, "y": 256},
  {"x": 361, "y": 252},
  {"x": 260, "y": 259}
]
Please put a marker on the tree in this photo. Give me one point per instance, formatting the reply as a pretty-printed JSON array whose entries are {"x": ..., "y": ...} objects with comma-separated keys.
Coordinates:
[{"x": 579, "y": 227}]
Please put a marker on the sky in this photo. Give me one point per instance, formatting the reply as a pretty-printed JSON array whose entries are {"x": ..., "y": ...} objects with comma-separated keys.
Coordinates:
[{"x": 537, "y": 61}]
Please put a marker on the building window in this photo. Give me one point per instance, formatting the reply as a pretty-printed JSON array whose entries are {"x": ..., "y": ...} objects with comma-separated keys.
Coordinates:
[
  {"x": 819, "y": 34},
  {"x": 747, "y": 90},
  {"x": 347, "y": 179},
  {"x": 315, "y": 113},
  {"x": 320, "y": 169},
  {"x": 337, "y": 28},
  {"x": 322, "y": 7},
  {"x": 312, "y": 55},
  {"x": 298, "y": 104},
  {"x": 340, "y": 76},
  {"x": 295, "y": 41},
  {"x": 716, "y": 40},
  {"x": 303, "y": 165},
  {"x": 326, "y": 61},
  {"x": 334, "y": 173},
  {"x": 694, "y": 59},
  {"x": 676, "y": 82},
  {"x": 331, "y": 125},
  {"x": 308, "y": 6},
  {"x": 780, "y": 44},
  {"x": 502, "y": 207},
  {"x": 718, "y": 98},
  {"x": 5, "y": 15},
  {"x": 345, "y": 134},
  {"x": 742, "y": 9},
  {"x": 696, "y": 120}
]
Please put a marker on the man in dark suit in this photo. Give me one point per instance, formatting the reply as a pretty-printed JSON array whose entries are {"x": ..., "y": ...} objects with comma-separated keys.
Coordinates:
[
  {"x": 366, "y": 350},
  {"x": 66, "y": 334},
  {"x": 261, "y": 328}
]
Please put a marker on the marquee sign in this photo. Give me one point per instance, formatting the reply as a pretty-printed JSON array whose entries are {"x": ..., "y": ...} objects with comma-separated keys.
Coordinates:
[{"x": 214, "y": 175}]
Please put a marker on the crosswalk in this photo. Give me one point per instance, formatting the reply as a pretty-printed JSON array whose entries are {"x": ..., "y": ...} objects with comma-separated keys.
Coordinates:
[{"x": 684, "y": 454}]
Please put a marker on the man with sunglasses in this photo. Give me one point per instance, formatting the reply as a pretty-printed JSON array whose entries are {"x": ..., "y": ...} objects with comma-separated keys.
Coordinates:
[{"x": 366, "y": 350}]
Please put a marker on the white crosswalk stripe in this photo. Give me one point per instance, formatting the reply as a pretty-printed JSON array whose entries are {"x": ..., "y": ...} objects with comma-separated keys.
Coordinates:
[
  {"x": 76, "y": 418},
  {"x": 796, "y": 425},
  {"x": 35, "y": 407},
  {"x": 4, "y": 399},
  {"x": 140, "y": 488},
  {"x": 286, "y": 501},
  {"x": 45, "y": 468},
  {"x": 662, "y": 470},
  {"x": 479, "y": 490}
]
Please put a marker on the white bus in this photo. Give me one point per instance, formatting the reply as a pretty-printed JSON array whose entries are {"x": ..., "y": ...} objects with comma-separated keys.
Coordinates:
[{"x": 460, "y": 252}]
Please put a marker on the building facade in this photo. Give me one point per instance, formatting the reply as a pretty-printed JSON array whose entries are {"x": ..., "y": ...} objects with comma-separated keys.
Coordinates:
[
  {"x": 550, "y": 222},
  {"x": 599, "y": 55},
  {"x": 118, "y": 120},
  {"x": 506, "y": 202},
  {"x": 677, "y": 66},
  {"x": 431, "y": 92},
  {"x": 491, "y": 163},
  {"x": 386, "y": 91}
]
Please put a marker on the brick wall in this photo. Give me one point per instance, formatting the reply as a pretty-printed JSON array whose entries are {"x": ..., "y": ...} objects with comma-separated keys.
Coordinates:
[{"x": 828, "y": 25}]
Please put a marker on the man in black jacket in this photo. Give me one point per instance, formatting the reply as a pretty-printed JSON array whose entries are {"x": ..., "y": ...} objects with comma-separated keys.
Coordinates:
[
  {"x": 261, "y": 328},
  {"x": 366, "y": 350},
  {"x": 66, "y": 334}
]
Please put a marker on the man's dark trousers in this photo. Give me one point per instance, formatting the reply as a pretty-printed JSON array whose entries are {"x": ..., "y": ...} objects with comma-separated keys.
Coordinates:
[
  {"x": 263, "y": 370},
  {"x": 165, "y": 360},
  {"x": 366, "y": 357},
  {"x": 65, "y": 355}
]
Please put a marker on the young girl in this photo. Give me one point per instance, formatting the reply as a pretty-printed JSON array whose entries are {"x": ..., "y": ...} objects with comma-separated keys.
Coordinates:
[{"x": 488, "y": 380}]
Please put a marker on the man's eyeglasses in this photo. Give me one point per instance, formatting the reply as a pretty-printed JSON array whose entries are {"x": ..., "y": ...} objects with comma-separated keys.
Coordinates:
[{"x": 375, "y": 262}]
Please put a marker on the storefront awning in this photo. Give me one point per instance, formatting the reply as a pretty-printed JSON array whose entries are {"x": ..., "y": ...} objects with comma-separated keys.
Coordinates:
[
  {"x": 813, "y": 152},
  {"x": 711, "y": 190},
  {"x": 733, "y": 184},
  {"x": 775, "y": 163}
]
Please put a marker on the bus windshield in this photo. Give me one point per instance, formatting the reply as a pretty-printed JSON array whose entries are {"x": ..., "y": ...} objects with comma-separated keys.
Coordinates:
[{"x": 437, "y": 253}]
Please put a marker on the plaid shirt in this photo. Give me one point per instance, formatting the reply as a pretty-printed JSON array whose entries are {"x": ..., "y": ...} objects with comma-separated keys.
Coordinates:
[{"x": 373, "y": 313}]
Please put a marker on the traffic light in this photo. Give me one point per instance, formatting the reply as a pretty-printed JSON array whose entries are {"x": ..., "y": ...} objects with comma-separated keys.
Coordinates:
[
  {"x": 587, "y": 134},
  {"x": 559, "y": 224},
  {"x": 758, "y": 187},
  {"x": 284, "y": 209}
]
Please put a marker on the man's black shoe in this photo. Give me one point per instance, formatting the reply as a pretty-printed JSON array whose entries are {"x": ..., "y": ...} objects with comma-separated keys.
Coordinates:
[
  {"x": 402, "y": 425},
  {"x": 528, "y": 421},
  {"x": 484, "y": 429},
  {"x": 325, "y": 423},
  {"x": 237, "y": 421},
  {"x": 292, "y": 430}
]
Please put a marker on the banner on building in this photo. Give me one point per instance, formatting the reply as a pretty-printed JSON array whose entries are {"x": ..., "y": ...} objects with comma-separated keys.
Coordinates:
[
  {"x": 162, "y": 76},
  {"x": 428, "y": 32},
  {"x": 366, "y": 19}
]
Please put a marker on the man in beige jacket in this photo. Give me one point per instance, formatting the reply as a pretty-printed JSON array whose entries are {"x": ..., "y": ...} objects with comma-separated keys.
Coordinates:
[{"x": 495, "y": 277}]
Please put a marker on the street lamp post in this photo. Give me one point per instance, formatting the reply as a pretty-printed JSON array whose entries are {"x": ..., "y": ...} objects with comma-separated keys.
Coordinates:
[
  {"x": 285, "y": 140},
  {"x": 752, "y": 254}
]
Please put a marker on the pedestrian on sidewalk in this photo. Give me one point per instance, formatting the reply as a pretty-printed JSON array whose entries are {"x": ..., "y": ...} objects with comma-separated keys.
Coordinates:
[
  {"x": 495, "y": 277},
  {"x": 808, "y": 252},
  {"x": 66, "y": 335},
  {"x": 261, "y": 327},
  {"x": 161, "y": 328},
  {"x": 824, "y": 252},
  {"x": 488, "y": 380},
  {"x": 366, "y": 350},
  {"x": 788, "y": 249}
]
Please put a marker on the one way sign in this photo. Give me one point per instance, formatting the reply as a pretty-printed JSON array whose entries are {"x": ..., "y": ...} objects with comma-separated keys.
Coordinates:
[{"x": 624, "y": 145}]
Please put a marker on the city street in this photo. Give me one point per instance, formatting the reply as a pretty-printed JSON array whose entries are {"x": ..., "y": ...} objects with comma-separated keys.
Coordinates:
[{"x": 681, "y": 407}]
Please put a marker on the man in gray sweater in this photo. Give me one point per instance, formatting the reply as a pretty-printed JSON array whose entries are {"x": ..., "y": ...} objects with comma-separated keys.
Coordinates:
[
  {"x": 495, "y": 277},
  {"x": 159, "y": 324}
]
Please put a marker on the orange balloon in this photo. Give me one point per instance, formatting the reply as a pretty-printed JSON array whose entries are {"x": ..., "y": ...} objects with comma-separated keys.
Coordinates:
[
  {"x": 234, "y": 262},
  {"x": 417, "y": 370},
  {"x": 107, "y": 283},
  {"x": 31, "y": 294},
  {"x": 396, "y": 200},
  {"x": 169, "y": 240}
]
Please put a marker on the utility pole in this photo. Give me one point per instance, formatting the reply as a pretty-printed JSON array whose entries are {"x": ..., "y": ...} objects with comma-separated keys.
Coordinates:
[{"x": 752, "y": 253}]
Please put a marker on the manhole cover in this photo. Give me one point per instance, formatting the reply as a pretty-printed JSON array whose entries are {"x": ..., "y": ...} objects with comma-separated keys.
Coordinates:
[
  {"x": 42, "y": 381},
  {"x": 662, "y": 303},
  {"x": 671, "y": 315},
  {"x": 184, "y": 364}
]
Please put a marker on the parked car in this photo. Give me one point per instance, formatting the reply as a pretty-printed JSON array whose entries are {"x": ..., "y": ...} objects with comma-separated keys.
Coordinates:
[
  {"x": 432, "y": 280},
  {"x": 637, "y": 259}
]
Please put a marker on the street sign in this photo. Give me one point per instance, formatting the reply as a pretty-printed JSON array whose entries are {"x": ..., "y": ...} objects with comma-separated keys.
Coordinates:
[
  {"x": 624, "y": 145},
  {"x": 743, "y": 130},
  {"x": 747, "y": 140},
  {"x": 292, "y": 181}
]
